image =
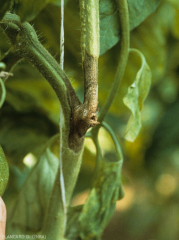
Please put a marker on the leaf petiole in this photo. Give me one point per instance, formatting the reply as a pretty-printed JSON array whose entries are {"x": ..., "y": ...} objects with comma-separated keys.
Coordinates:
[{"x": 124, "y": 46}]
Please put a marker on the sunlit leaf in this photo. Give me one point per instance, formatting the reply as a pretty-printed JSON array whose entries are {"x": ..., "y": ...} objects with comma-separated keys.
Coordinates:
[
  {"x": 137, "y": 92},
  {"x": 5, "y": 6},
  {"x": 32, "y": 201}
]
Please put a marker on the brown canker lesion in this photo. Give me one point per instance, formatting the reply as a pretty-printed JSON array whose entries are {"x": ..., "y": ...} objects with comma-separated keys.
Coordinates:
[{"x": 85, "y": 116}]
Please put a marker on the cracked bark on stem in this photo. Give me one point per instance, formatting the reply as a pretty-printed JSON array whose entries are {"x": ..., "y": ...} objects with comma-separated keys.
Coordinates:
[{"x": 123, "y": 58}]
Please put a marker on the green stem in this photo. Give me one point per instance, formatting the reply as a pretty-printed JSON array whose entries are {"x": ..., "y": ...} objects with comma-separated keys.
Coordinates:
[
  {"x": 115, "y": 140},
  {"x": 94, "y": 136},
  {"x": 25, "y": 42},
  {"x": 124, "y": 46},
  {"x": 54, "y": 221}
]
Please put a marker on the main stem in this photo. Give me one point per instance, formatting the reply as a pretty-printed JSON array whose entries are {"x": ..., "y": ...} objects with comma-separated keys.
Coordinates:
[{"x": 89, "y": 11}]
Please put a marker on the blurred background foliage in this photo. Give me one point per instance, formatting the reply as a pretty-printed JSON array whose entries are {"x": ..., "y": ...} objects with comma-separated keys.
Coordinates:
[{"x": 29, "y": 117}]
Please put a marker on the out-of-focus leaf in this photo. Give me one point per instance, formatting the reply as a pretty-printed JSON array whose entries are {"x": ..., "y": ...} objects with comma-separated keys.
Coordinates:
[
  {"x": 175, "y": 23},
  {"x": 29, "y": 9},
  {"x": 174, "y": 3},
  {"x": 47, "y": 24},
  {"x": 2, "y": 93},
  {"x": 5, "y": 6},
  {"x": 109, "y": 20},
  {"x": 28, "y": 91},
  {"x": 135, "y": 97},
  {"x": 21, "y": 133},
  {"x": 58, "y": 2},
  {"x": 28, "y": 94},
  {"x": 32, "y": 201}
]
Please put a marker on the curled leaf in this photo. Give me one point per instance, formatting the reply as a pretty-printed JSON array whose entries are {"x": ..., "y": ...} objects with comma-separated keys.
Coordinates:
[
  {"x": 88, "y": 221},
  {"x": 100, "y": 204},
  {"x": 137, "y": 92}
]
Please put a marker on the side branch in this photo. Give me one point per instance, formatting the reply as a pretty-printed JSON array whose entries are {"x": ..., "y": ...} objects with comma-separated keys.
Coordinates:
[{"x": 26, "y": 45}]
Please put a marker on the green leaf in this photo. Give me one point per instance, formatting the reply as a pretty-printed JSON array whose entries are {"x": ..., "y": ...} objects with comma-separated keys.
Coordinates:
[
  {"x": 88, "y": 221},
  {"x": 5, "y": 6},
  {"x": 137, "y": 92},
  {"x": 109, "y": 20},
  {"x": 22, "y": 133},
  {"x": 100, "y": 204},
  {"x": 29, "y": 9},
  {"x": 33, "y": 199},
  {"x": 139, "y": 10},
  {"x": 109, "y": 25}
]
